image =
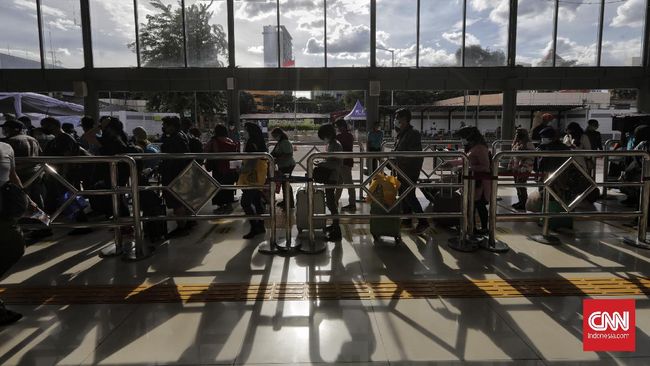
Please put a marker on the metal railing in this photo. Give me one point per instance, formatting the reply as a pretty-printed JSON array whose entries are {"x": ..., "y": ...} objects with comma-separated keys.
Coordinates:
[
  {"x": 50, "y": 166},
  {"x": 429, "y": 145},
  {"x": 388, "y": 158},
  {"x": 497, "y": 145},
  {"x": 204, "y": 157},
  {"x": 607, "y": 147},
  {"x": 570, "y": 159},
  {"x": 322, "y": 147}
]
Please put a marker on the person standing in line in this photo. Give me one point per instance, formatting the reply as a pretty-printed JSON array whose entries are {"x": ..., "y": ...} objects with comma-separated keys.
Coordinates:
[
  {"x": 521, "y": 167},
  {"x": 593, "y": 135},
  {"x": 283, "y": 155},
  {"x": 90, "y": 140},
  {"x": 409, "y": 139},
  {"x": 221, "y": 170},
  {"x": 375, "y": 139},
  {"x": 174, "y": 141},
  {"x": 347, "y": 142},
  {"x": 12, "y": 244},
  {"x": 251, "y": 200},
  {"x": 327, "y": 133}
]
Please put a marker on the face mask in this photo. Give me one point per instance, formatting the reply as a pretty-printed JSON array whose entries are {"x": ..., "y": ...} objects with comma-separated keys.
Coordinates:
[
  {"x": 546, "y": 140},
  {"x": 245, "y": 135},
  {"x": 464, "y": 142}
]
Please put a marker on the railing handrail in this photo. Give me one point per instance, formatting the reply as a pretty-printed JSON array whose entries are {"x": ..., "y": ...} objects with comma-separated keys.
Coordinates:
[
  {"x": 569, "y": 154},
  {"x": 467, "y": 199}
]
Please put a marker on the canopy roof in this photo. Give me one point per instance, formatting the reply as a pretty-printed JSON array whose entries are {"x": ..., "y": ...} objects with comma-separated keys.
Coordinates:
[{"x": 23, "y": 103}]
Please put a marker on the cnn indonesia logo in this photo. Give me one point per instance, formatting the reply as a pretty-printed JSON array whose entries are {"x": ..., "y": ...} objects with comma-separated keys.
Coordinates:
[{"x": 609, "y": 325}]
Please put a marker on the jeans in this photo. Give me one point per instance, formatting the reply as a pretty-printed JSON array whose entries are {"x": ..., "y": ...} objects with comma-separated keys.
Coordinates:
[
  {"x": 522, "y": 192},
  {"x": 332, "y": 203}
]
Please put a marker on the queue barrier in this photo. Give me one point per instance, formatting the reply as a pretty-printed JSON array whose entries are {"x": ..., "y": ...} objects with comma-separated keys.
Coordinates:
[
  {"x": 460, "y": 243},
  {"x": 641, "y": 213},
  {"x": 609, "y": 144},
  {"x": 322, "y": 147},
  {"x": 54, "y": 167}
]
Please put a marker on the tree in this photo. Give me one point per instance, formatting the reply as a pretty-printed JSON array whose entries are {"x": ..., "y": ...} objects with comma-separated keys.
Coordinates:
[
  {"x": 328, "y": 104},
  {"x": 352, "y": 96},
  {"x": 476, "y": 55},
  {"x": 161, "y": 45}
]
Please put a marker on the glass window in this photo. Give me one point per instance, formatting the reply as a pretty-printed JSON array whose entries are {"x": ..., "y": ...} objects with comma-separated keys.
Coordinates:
[
  {"x": 348, "y": 33},
  {"x": 62, "y": 40},
  {"x": 577, "y": 33},
  {"x": 486, "y": 36},
  {"x": 535, "y": 33},
  {"x": 441, "y": 32},
  {"x": 206, "y": 23},
  {"x": 303, "y": 25},
  {"x": 396, "y": 32},
  {"x": 256, "y": 38},
  {"x": 623, "y": 33},
  {"x": 161, "y": 33},
  {"x": 113, "y": 33},
  {"x": 19, "y": 50}
]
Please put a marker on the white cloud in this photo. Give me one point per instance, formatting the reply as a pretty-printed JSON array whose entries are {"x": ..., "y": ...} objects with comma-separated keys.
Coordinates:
[
  {"x": 457, "y": 38},
  {"x": 630, "y": 14},
  {"x": 621, "y": 53},
  {"x": 571, "y": 50},
  {"x": 255, "y": 10},
  {"x": 258, "y": 50},
  {"x": 64, "y": 51}
]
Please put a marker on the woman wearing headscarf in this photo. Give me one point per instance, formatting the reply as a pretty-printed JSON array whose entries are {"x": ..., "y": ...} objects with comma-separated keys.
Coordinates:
[
  {"x": 576, "y": 139},
  {"x": 479, "y": 166},
  {"x": 521, "y": 167},
  {"x": 251, "y": 200}
]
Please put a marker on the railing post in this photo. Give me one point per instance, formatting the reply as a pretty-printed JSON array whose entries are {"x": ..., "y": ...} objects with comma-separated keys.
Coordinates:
[
  {"x": 117, "y": 249},
  {"x": 140, "y": 249},
  {"x": 313, "y": 249},
  {"x": 546, "y": 237},
  {"x": 272, "y": 183}
]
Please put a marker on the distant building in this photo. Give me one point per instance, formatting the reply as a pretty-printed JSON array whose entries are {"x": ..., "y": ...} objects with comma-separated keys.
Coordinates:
[
  {"x": 15, "y": 62},
  {"x": 271, "y": 50}
]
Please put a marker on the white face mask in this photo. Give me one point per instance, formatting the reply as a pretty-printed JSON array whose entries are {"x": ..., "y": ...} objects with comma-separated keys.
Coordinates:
[
  {"x": 244, "y": 135},
  {"x": 546, "y": 140}
]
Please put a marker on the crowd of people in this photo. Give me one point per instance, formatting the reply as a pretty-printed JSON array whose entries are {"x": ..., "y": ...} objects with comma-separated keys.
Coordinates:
[{"x": 107, "y": 137}]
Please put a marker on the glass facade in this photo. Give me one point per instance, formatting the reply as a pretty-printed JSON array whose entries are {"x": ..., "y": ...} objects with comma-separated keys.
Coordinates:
[
  {"x": 113, "y": 33},
  {"x": 322, "y": 33},
  {"x": 62, "y": 40}
]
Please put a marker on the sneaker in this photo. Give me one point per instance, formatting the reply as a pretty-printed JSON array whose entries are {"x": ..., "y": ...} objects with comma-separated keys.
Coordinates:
[
  {"x": 519, "y": 206},
  {"x": 255, "y": 231},
  {"x": 8, "y": 317},
  {"x": 351, "y": 208}
]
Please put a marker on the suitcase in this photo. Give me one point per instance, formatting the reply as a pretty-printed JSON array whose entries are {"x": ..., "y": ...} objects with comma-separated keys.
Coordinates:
[
  {"x": 385, "y": 226},
  {"x": 302, "y": 210},
  {"x": 447, "y": 202},
  {"x": 152, "y": 205}
]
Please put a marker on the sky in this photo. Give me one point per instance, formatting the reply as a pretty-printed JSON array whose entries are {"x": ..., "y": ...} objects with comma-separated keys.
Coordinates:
[{"x": 348, "y": 30}]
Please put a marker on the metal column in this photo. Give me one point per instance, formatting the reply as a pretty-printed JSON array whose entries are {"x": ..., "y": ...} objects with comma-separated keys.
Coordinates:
[{"x": 509, "y": 113}]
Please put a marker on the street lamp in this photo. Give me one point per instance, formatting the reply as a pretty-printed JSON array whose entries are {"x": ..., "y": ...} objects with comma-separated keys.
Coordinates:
[{"x": 392, "y": 56}]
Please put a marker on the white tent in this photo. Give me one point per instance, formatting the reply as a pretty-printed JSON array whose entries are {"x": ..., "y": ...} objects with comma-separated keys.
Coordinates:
[{"x": 24, "y": 103}]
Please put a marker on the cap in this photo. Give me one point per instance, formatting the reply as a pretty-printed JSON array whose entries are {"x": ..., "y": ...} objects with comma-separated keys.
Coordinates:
[
  {"x": 12, "y": 123},
  {"x": 548, "y": 132}
]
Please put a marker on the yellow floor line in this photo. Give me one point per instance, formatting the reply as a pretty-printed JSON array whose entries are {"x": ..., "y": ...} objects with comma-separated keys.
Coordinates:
[{"x": 59, "y": 295}]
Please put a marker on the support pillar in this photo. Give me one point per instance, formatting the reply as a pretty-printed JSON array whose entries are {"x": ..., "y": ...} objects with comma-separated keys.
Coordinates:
[
  {"x": 372, "y": 110},
  {"x": 91, "y": 101},
  {"x": 233, "y": 108},
  {"x": 509, "y": 113}
]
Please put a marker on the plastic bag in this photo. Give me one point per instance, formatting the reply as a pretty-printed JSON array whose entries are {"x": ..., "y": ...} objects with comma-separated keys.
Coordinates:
[{"x": 387, "y": 186}]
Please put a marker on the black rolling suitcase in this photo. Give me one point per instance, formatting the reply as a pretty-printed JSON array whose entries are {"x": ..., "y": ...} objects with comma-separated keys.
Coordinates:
[{"x": 152, "y": 205}]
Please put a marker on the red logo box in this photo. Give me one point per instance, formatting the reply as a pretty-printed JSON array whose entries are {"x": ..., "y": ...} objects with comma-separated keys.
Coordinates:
[{"x": 608, "y": 325}]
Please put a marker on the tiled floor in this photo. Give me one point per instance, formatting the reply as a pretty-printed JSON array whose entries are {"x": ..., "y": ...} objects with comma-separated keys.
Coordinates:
[{"x": 446, "y": 331}]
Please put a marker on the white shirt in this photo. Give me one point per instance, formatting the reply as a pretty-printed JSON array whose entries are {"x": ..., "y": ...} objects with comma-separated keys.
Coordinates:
[{"x": 7, "y": 162}]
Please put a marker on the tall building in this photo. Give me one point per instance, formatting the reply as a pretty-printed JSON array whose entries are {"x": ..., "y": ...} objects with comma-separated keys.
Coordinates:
[{"x": 271, "y": 44}]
